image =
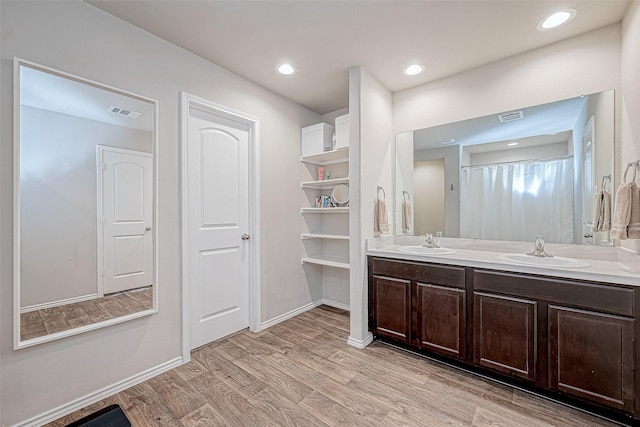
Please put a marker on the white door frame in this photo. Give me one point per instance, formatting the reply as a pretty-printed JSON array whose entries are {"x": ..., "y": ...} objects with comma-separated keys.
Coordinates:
[
  {"x": 253, "y": 123},
  {"x": 100, "y": 149}
]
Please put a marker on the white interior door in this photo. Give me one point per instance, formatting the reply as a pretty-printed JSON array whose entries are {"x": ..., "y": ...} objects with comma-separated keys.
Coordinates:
[
  {"x": 126, "y": 189},
  {"x": 217, "y": 218}
]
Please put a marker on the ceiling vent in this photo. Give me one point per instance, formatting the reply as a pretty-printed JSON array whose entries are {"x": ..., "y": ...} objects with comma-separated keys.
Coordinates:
[
  {"x": 509, "y": 117},
  {"x": 124, "y": 112}
]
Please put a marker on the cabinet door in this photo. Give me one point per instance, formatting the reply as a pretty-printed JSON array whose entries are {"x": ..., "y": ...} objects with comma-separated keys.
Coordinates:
[
  {"x": 591, "y": 356},
  {"x": 504, "y": 337},
  {"x": 441, "y": 321},
  {"x": 391, "y": 308}
]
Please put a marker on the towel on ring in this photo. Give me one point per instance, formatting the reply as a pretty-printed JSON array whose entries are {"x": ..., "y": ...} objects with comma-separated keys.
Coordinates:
[
  {"x": 602, "y": 212},
  {"x": 633, "y": 229},
  {"x": 407, "y": 222},
  {"x": 380, "y": 222},
  {"x": 622, "y": 215}
]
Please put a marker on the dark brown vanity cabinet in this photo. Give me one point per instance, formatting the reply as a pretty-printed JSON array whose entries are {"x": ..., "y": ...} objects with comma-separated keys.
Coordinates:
[
  {"x": 423, "y": 305},
  {"x": 569, "y": 337}
]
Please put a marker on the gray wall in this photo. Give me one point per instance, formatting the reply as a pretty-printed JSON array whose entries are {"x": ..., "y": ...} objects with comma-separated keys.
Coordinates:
[
  {"x": 78, "y": 38},
  {"x": 58, "y": 201}
]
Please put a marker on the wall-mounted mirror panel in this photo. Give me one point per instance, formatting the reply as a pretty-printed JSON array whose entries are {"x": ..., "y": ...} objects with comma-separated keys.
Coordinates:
[
  {"x": 511, "y": 176},
  {"x": 84, "y": 202}
]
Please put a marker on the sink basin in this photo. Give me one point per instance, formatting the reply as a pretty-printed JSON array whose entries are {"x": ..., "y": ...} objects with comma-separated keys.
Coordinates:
[
  {"x": 548, "y": 262},
  {"x": 421, "y": 250}
]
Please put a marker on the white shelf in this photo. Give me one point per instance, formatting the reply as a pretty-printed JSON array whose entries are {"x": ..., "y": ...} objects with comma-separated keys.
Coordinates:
[
  {"x": 326, "y": 184},
  {"x": 325, "y": 210},
  {"x": 327, "y": 260},
  {"x": 327, "y": 157},
  {"x": 305, "y": 236}
]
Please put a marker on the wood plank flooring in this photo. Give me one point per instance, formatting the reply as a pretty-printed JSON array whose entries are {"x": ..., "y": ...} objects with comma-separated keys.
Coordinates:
[
  {"x": 47, "y": 321},
  {"x": 301, "y": 372}
]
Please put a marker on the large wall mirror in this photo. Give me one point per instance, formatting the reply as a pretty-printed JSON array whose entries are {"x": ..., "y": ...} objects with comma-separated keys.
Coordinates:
[
  {"x": 545, "y": 169},
  {"x": 84, "y": 201}
]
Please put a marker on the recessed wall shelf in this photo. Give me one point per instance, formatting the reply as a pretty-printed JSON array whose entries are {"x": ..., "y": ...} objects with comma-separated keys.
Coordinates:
[
  {"x": 325, "y": 210},
  {"x": 327, "y": 157},
  {"x": 322, "y": 185},
  {"x": 305, "y": 236},
  {"x": 327, "y": 260}
]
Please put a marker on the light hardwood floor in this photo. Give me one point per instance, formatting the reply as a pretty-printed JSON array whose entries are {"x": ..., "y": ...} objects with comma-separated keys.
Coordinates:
[
  {"x": 61, "y": 318},
  {"x": 301, "y": 372}
]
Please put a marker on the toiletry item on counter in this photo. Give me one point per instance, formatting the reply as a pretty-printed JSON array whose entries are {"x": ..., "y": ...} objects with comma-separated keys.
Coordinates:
[
  {"x": 320, "y": 173},
  {"x": 318, "y": 202},
  {"x": 326, "y": 201},
  {"x": 327, "y": 176}
]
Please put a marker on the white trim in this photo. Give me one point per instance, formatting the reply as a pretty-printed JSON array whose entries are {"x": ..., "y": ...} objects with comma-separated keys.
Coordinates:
[
  {"x": 17, "y": 343},
  {"x": 103, "y": 393},
  {"x": 52, "y": 304},
  {"x": 336, "y": 304},
  {"x": 253, "y": 123},
  {"x": 289, "y": 315},
  {"x": 368, "y": 339}
]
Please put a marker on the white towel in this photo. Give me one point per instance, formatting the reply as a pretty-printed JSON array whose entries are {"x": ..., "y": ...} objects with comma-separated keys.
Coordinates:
[
  {"x": 633, "y": 229},
  {"x": 407, "y": 221},
  {"x": 602, "y": 212},
  {"x": 622, "y": 215},
  {"x": 380, "y": 222}
]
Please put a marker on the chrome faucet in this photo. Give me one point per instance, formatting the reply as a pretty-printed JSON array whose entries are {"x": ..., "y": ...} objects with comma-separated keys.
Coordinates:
[
  {"x": 538, "y": 249},
  {"x": 430, "y": 243}
]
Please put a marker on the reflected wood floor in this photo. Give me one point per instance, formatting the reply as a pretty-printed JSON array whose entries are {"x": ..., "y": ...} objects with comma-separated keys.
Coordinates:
[
  {"x": 301, "y": 372},
  {"x": 57, "y": 319}
]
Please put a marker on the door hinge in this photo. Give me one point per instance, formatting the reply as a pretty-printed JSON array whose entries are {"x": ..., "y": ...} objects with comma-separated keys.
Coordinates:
[{"x": 102, "y": 272}]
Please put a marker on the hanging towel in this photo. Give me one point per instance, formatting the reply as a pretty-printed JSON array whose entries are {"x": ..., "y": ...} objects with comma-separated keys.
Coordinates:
[
  {"x": 622, "y": 215},
  {"x": 407, "y": 222},
  {"x": 602, "y": 212},
  {"x": 633, "y": 230},
  {"x": 380, "y": 223}
]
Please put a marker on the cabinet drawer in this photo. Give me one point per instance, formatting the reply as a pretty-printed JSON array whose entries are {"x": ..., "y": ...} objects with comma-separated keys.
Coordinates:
[
  {"x": 601, "y": 297},
  {"x": 426, "y": 273}
]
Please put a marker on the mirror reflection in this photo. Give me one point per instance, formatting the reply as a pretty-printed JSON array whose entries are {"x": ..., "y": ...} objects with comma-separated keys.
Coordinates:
[
  {"x": 511, "y": 176},
  {"x": 85, "y": 223},
  {"x": 340, "y": 195}
]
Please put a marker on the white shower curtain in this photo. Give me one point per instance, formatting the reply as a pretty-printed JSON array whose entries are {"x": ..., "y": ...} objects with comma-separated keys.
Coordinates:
[{"x": 517, "y": 201}]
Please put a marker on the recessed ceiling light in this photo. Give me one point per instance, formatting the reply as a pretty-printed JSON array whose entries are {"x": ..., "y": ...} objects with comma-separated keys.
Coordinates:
[
  {"x": 557, "y": 19},
  {"x": 511, "y": 144},
  {"x": 446, "y": 141},
  {"x": 413, "y": 69},
  {"x": 286, "y": 69}
]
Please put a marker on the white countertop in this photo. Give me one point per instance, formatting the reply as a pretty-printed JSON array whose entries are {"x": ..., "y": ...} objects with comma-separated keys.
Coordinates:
[{"x": 608, "y": 265}]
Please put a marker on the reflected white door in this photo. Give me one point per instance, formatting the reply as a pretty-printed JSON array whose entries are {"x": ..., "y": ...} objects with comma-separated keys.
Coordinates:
[
  {"x": 218, "y": 216},
  {"x": 126, "y": 190}
]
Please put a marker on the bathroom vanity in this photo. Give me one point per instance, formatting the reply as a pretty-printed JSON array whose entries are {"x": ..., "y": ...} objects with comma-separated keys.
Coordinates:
[{"x": 554, "y": 331}]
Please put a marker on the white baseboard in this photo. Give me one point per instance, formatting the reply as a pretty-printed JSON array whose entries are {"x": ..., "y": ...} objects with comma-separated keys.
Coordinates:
[
  {"x": 96, "y": 396},
  {"x": 360, "y": 343},
  {"x": 264, "y": 325},
  {"x": 336, "y": 304},
  {"x": 52, "y": 304}
]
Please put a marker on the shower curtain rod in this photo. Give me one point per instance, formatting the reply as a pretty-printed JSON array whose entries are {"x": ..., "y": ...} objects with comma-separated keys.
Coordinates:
[{"x": 549, "y": 159}]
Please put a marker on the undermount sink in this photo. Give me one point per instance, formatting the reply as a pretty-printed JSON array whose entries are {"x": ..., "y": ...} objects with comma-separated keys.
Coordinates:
[
  {"x": 422, "y": 250},
  {"x": 549, "y": 262}
]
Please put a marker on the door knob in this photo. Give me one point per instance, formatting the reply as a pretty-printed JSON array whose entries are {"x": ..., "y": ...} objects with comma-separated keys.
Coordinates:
[
  {"x": 147, "y": 228},
  {"x": 245, "y": 236}
]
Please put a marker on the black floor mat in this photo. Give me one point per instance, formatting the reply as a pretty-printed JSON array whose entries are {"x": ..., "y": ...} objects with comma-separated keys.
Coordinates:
[{"x": 110, "y": 416}]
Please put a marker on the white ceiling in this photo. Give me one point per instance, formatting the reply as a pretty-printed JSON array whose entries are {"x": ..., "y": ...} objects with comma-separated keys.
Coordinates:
[
  {"x": 67, "y": 95},
  {"x": 324, "y": 39}
]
